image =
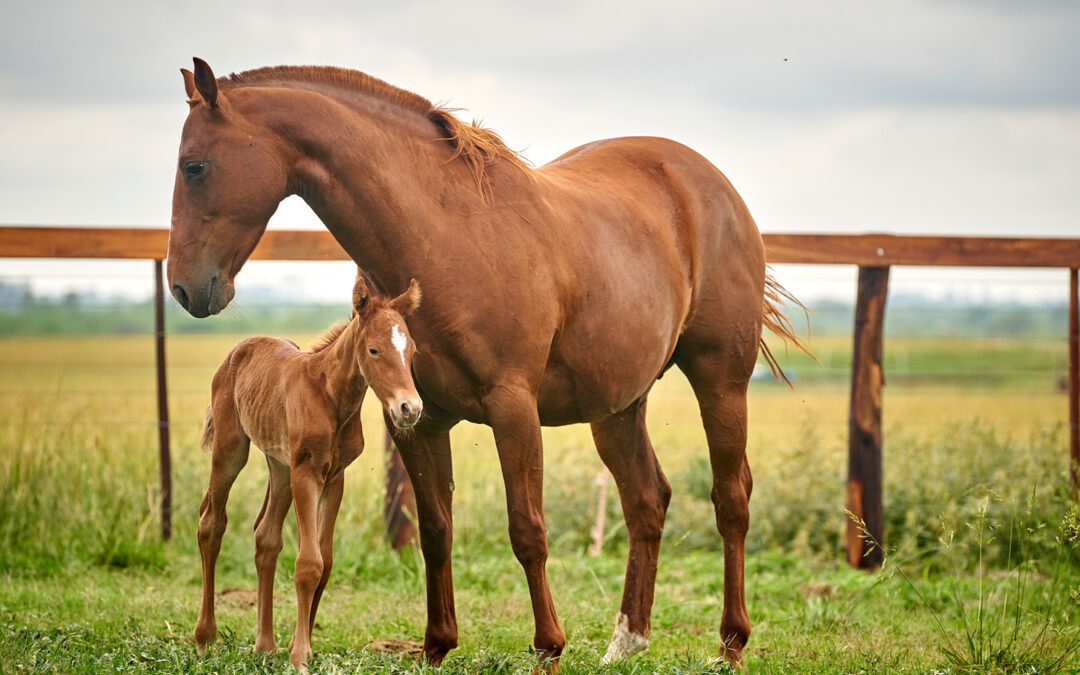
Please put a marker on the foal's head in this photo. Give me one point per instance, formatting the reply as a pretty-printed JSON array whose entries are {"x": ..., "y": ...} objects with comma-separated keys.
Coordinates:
[{"x": 384, "y": 350}]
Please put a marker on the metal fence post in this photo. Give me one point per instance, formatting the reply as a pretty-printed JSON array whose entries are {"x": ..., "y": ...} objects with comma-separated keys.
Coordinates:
[
  {"x": 1074, "y": 383},
  {"x": 162, "y": 403}
]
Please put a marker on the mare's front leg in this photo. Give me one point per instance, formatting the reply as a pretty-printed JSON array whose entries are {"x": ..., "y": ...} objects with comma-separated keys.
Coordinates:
[
  {"x": 515, "y": 421},
  {"x": 310, "y": 467},
  {"x": 268, "y": 546},
  {"x": 623, "y": 443},
  {"x": 230, "y": 451},
  {"x": 426, "y": 455}
]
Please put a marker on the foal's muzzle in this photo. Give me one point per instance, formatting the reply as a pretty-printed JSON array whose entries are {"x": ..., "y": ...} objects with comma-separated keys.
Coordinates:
[{"x": 405, "y": 412}]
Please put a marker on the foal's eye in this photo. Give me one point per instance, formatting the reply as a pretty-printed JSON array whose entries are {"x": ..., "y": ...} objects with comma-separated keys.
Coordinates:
[
  {"x": 373, "y": 351},
  {"x": 193, "y": 170}
]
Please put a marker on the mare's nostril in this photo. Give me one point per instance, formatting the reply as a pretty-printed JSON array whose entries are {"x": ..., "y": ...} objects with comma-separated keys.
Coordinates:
[
  {"x": 181, "y": 295},
  {"x": 405, "y": 409}
]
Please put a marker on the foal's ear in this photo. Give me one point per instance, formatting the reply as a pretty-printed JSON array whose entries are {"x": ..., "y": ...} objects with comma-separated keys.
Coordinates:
[
  {"x": 361, "y": 298},
  {"x": 205, "y": 82},
  {"x": 189, "y": 82},
  {"x": 407, "y": 303}
]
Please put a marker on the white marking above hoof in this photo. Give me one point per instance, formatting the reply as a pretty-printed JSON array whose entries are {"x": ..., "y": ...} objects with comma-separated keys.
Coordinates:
[{"x": 624, "y": 643}]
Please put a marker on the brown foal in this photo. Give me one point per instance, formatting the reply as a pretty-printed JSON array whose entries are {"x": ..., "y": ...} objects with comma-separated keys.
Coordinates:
[
  {"x": 555, "y": 295},
  {"x": 302, "y": 410}
]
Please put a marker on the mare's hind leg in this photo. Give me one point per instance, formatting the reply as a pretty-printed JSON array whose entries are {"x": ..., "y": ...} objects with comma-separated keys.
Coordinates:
[
  {"x": 719, "y": 380},
  {"x": 623, "y": 444},
  {"x": 267, "y": 547},
  {"x": 230, "y": 453}
]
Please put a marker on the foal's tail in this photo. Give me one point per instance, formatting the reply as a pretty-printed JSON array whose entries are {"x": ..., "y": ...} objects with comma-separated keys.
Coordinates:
[
  {"x": 777, "y": 322},
  {"x": 207, "y": 441}
]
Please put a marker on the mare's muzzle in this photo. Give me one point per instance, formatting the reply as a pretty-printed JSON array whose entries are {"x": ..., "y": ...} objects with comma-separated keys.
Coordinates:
[{"x": 203, "y": 299}]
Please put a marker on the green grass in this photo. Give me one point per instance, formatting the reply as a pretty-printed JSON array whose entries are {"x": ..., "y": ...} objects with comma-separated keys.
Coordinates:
[{"x": 86, "y": 586}]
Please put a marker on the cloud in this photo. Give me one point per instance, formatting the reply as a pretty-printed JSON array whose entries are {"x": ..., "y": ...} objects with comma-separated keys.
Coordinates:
[
  {"x": 959, "y": 116},
  {"x": 840, "y": 54}
]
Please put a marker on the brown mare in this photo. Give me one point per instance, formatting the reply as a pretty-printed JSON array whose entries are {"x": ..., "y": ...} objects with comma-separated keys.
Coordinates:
[
  {"x": 302, "y": 410},
  {"x": 553, "y": 296}
]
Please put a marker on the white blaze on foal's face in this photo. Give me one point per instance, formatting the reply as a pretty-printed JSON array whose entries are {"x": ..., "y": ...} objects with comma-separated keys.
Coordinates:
[{"x": 400, "y": 341}]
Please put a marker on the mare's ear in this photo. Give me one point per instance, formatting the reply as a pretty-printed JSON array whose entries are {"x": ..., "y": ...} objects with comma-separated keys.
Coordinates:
[
  {"x": 407, "y": 303},
  {"x": 205, "y": 82},
  {"x": 361, "y": 298},
  {"x": 189, "y": 82}
]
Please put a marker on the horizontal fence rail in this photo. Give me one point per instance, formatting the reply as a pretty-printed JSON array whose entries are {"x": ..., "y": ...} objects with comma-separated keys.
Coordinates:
[
  {"x": 873, "y": 254},
  {"x": 864, "y": 250}
]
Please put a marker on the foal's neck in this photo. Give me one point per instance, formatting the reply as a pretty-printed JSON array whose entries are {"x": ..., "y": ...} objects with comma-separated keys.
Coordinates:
[{"x": 341, "y": 369}]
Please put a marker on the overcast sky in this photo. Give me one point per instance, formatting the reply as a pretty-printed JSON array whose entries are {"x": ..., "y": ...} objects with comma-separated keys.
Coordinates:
[{"x": 949, "y": 117}]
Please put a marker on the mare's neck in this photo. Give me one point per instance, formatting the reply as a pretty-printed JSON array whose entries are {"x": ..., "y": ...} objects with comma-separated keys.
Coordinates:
[
  {"x": 341, "y": 369},
  {"x": 383, "y": 181}
]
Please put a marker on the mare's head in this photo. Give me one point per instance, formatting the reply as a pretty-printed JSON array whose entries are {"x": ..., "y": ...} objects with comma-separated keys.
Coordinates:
[
  {"x": 384, "y": 350},
  {"x": 230, "y": 177}
]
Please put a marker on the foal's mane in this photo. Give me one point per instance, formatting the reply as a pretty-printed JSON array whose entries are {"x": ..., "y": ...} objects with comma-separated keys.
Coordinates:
[
  {"x": 328, "y": 337},
  {"x": 476, "y": 146}
]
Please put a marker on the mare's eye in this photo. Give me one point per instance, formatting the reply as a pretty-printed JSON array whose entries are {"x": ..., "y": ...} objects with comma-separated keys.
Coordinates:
[
  {"x": 373, "y": 351},
  {"x": 193, "y": 170}
]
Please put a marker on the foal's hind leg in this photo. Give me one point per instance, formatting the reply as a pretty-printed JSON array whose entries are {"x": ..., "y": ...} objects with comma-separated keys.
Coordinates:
[
  {"x": 623, "y": 443},
  {"x": 719, "y": 381},
  {"x": 268, "y": 546},
  {"x": 230, "y": 453}
]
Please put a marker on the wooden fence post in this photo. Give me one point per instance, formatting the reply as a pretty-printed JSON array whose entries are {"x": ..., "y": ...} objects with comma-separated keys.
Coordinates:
[
  {"x": 1074, "y": 382},
  {"x": 399, "y": 506},
  {"x": 162, "y": 404},
  {"x": 864, "y": 496}
]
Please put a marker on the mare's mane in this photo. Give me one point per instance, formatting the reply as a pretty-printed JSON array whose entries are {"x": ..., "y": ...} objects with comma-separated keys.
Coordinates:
[{"x": 476, "y": 146}]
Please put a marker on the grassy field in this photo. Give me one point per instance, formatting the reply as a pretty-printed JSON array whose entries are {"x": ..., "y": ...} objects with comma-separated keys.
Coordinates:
[{"x": 982, "y": 574}]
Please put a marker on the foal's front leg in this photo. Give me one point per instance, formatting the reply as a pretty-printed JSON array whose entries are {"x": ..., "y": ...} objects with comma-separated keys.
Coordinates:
[
  {"x": 311, "y": 465},
  {"x": 328, "y": 511},
  {"x": 513, "y": 417}
]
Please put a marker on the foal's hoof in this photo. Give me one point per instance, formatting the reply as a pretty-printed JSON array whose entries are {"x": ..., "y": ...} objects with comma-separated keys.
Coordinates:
[
  {"x": 547, "y": 666},
  {"x": 262, "y": 647},
  {"x": 732, "y": 655},
  {"x": 204, "y": 635},
  {"x": 624, "y": 643},
  {"x": 299, "y": 659}
]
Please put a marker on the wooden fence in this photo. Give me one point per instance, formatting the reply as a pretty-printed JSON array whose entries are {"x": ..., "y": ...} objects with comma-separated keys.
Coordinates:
[{"x": 873, "y": 254}]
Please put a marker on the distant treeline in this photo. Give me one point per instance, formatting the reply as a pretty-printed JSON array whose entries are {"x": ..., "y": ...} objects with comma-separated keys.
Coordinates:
[
  {"x": 23, "y": 313},
  {"x": 916, "y": 315}
]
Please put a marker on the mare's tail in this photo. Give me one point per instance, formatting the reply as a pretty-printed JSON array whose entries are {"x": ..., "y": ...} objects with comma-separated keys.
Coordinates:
[
  {"x": 775, "y": 320},
  {"x": 207, "y": 441}
]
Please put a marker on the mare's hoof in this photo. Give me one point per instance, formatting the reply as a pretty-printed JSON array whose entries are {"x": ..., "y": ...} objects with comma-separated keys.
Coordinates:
[{"x": 624, "y": 643}]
